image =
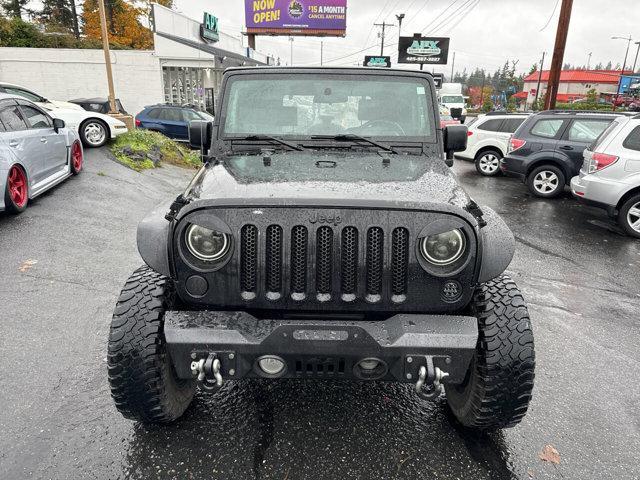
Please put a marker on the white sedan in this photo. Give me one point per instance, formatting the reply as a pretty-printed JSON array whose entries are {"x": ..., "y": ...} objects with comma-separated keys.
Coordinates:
[{"x": 93, "y": 128}]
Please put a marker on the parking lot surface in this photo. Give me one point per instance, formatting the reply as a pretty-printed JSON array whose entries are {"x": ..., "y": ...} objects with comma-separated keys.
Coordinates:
[{"x": 65, "y": 259}]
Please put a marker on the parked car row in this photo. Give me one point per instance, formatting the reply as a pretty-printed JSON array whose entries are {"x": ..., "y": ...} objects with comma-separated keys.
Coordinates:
[
  {"x": 94, "y": 128},
  {"x": 37, "y": 152},
  {"x": 88, "y": 116},
  {"x": 597, "y": 153}
]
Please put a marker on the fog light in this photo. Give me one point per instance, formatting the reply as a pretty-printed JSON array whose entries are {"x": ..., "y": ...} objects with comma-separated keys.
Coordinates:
[
  {"x": 369, "y": 364},
  {"x": 370, "y": 369},
  {"x": 271, "y": 365}
]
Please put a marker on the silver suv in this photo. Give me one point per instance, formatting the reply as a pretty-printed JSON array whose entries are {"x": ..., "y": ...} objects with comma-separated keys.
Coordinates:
[{"x": 610, "y": 174}]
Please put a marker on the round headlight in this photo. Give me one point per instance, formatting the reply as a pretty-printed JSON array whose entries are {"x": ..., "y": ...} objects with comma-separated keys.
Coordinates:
[
  {"x": 444, "y": 248},
  {"x": 207, "y": 245}
]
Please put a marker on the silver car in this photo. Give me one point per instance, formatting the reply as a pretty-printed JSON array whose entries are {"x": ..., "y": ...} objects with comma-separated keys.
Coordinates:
[
  {"x": 610, "y": 174},
  {"x": 36, "y": 152}
]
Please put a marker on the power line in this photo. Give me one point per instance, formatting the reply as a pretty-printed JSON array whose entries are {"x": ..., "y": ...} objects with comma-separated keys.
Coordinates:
[
  {"x": 439, "y": 16},
  {"x": 451, "y": 16},
  {"x": 551, "y": 16},
  {"x": 462, "y": 17},
  {"x": 376, "y": 19}
]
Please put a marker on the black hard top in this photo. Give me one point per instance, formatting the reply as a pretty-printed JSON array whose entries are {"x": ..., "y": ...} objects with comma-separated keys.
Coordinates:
[{"x": 333, "y": 70}]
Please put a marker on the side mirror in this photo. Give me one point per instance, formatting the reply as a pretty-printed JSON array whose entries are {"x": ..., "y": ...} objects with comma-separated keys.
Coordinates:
[
  {"x": 58, "y": 123},
  {"x": 455, "y": 140},
  {"x": 200, "y": 134}
]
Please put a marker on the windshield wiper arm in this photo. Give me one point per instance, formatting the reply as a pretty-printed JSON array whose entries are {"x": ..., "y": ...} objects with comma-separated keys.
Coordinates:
[
  {"x": 269, "y": 138},
  {"x": 349, "y": 137}
]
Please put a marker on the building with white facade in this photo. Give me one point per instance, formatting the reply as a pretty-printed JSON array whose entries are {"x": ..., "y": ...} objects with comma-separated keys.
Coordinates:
[{"x": 183, "y": 67}]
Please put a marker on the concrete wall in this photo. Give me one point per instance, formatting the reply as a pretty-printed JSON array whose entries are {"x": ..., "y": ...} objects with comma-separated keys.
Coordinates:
[{"x": 65, "y": 74}]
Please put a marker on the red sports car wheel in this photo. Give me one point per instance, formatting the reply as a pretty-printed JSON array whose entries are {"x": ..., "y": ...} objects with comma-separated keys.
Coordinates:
[
  {"x": 77, "y": 158},
  {"x": 17, "y": 193}
]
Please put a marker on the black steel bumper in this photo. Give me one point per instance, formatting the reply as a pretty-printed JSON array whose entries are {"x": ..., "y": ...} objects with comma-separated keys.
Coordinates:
[{"x": 329, "y": 349}]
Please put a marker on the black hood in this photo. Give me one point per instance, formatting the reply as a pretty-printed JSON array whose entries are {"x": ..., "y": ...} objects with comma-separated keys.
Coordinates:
[{"x": 330, "y": 178}]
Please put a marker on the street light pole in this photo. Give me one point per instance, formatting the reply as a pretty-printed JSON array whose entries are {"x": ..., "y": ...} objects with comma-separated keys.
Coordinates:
[
  {"x": 291, "y": 56},
  {"x": 589, "y": 60},
  {"x": 539, "y": 79},
  {"x": 107, "y": 57},
  {"x": 624, "y": 64},
  {"x": 400, "y": 17},
  {"x": 636, "y": 60},
  {"x": 321, "y": 51}
]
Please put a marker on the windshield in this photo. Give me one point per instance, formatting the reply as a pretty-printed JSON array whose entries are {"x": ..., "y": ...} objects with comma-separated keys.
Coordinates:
[
  {"x": 452, "y": 99},
  {"x": 304, "y": 105}
]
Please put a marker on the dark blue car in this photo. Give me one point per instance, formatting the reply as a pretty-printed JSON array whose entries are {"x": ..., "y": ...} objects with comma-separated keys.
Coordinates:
[{"x": 172, "y": 121}]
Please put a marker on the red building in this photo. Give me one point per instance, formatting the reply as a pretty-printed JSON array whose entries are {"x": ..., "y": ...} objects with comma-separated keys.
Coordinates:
[{"x": 574, "y": 84}]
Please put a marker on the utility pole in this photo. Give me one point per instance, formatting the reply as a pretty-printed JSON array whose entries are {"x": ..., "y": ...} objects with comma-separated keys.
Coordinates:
[
  {"x": 107, "y": 57},
  {"x": 291, "y": 56},
  {"x": 484, "y": 76},
  {"x": 624, "y": 65},
  {"x": 321, "y": 51},
  {"x": 589, "y": 60},
  {"x": 383, "y": 25},
  {"x": 558, "y": 54},
  {"x": 539, "y": 78},
  {"x": 453, "y": 62}
]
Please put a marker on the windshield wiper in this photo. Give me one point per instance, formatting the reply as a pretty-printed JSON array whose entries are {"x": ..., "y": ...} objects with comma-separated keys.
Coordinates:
[
  {"x": 269, "y": 138},
  {"x": 350, "y": 137}
]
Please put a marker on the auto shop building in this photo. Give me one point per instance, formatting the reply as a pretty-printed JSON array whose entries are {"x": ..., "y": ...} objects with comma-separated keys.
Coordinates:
[{"x": 185, "y": 66}]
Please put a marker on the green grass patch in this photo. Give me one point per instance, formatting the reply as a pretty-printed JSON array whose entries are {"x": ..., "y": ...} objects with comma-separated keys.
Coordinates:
[{"x": 144, "y": 149}]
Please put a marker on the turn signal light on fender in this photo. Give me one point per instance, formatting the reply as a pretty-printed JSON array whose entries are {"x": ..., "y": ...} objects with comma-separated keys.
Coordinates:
[{"x": 469, "y": 133}]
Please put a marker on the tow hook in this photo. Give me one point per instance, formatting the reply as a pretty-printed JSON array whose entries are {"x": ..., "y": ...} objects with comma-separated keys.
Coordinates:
[
  {"x": 428, "y": 385},
  {"x": 206, "y": 369}
]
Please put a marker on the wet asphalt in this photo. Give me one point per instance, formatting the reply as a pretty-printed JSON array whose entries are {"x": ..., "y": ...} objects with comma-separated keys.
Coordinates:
[{"x": 62, "y": 264}]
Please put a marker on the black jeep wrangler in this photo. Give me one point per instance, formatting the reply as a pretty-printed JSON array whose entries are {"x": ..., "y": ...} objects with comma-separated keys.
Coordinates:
[{"x": 324, "y": 238}]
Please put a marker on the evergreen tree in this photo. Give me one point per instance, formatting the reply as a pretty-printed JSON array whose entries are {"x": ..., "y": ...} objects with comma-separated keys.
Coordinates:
[
  {"x": 608, "y": 66},
  {"x": 14, "y": 8},
  {"x": 59, "y": 16},
  {"x": 599, "y": 66}
]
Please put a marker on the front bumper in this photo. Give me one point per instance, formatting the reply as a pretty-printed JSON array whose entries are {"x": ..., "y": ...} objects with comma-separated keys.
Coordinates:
[{"x": 325, "y": 349}]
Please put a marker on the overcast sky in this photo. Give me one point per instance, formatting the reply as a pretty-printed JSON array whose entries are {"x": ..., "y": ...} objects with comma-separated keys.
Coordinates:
[{"x": 490, "y": 32}]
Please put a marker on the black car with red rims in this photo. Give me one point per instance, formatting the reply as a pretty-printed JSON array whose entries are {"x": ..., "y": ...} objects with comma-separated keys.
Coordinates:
[{"x": 324, "y": 238}]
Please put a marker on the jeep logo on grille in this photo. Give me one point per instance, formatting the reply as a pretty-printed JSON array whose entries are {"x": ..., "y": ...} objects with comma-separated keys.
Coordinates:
[{"x": 320, "y": 218}]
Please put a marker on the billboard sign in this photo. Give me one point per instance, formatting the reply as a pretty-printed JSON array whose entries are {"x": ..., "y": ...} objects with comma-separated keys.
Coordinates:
[
  {"x": 423, "y": 50},
  {"x": 296, "y": 17},
  {"x": 209, "y": 30},
  {"x": 377, "y": 61}
]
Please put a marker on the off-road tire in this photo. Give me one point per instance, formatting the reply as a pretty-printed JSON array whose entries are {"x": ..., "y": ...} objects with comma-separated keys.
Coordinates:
[
  {"x": 142, "y": 379},
  {"x": 497, "y": 389}
]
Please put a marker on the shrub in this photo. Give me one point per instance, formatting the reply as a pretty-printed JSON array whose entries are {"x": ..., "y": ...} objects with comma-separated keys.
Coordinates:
[{"x": 144, "y": 149}]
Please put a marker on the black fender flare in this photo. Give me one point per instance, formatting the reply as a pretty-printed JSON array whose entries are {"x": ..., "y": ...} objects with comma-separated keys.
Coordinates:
[
  {"x": 498, "y": 246},
  {"x": 153, "y": 239}
]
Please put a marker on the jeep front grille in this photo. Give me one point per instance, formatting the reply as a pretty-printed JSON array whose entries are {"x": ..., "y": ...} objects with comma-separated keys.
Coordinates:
[
  {"x": 334, "y": 271},
  {"x": 249, "y": 261}
]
